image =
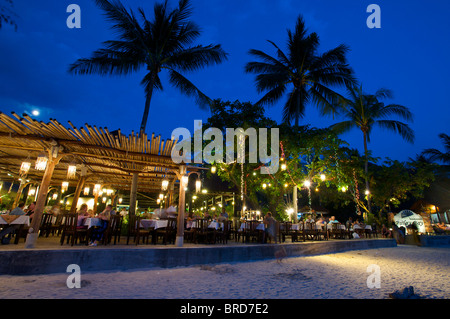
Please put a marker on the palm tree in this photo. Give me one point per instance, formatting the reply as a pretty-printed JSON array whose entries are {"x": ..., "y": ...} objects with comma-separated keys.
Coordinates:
[
  {"x": 435, "y": 155},
  {"x": 365, "y": 111},
  {"x": 162, "y": 43},
  {"x": 306, "y": 73}
]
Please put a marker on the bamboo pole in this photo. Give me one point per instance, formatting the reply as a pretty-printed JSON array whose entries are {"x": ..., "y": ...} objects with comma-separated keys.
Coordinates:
[
  {"x": 133, "y": 194},
  {"x": 40, "y": 202},
  {"x": 181, "y": 208},
  {"x": 76, "y": 196}
]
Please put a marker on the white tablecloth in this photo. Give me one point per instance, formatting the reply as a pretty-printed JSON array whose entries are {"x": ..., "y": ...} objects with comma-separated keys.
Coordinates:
[
  {"x": 215, "y": 225},
  {"x": 154, "y": 223},
  {"x": 92, "y": 222},
  {"x": 247, "y": 225},
  {"x": 21, "y": 220},
  {"x": 358, "y": 227},
  {"x": 339, "y": 226}
]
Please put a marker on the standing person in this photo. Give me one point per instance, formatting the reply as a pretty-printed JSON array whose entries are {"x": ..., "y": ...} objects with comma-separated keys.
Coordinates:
[
  {"x": 97, "y": 232},
  {"x": 271, "y": 227},
  {"x": 18, "y": 211}
]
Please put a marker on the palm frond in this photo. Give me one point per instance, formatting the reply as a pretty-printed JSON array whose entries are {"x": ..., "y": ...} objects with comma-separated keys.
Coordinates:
[
  {"x": 401, "y": 128},
  {"x": 189, "y": 89}
]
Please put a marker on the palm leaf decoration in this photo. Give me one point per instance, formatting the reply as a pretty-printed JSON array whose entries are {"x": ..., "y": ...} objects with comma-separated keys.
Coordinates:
[
  {"x": 162, "y": 43},
  {"x": 301, "y": 74}
]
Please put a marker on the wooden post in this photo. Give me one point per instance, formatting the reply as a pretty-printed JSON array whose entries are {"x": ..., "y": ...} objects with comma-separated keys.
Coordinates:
[
  {"x": 19, "y": 193},
  {"x": 76, "y": 196},
  {"x": 40, "y": 202},
  {"x": 133, "y": 194},
  {"x": 181, "y": 208}
]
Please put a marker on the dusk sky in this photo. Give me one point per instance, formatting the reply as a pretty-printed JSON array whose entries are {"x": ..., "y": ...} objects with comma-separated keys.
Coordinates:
[{"x": 409, "y": 55}]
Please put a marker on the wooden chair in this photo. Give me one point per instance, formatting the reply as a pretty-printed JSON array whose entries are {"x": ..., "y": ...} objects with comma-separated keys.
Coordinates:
[
  {"x": 46, "y": 226},
  {"x": 168, "y": 233},
  {"x": 201, "y": 231},
  {"x": 322, "y": 232},
  {"x": 114, "y": 230},
  {"x": 336, "y": 232},
  {"x": 136, "y": 231},
  {"x": 254, "y": 234},
  {"x": 72, "y": 231},
  {"x": 310, "y": 230},
  {"x": 223, "y": 234}
]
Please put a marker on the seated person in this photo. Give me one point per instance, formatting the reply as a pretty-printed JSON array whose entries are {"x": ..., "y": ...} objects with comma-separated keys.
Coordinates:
[
  {"x": 98, "y": 232},
  {"x": 18, "y": 211},
  {"x": 385, "y": 232},
  {"x": 271, "y": 227},
  {"x": 333, "y": 220}
]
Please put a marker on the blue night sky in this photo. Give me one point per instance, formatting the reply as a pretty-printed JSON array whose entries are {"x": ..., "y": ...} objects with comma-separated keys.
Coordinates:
[{"x": 408, "y": 55}]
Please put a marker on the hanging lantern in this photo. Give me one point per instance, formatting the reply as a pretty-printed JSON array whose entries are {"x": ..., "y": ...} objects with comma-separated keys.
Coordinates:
[
  {"x": 86, "y": 190},
  {"x": 198, "y": 186},
  {"x": 184, "y": 180},
  {"x": 24, "y": 168},
  {"x": 104, "y": 199},
  {"x": 41, "y": 162},
  {"x": 71, "y": 171},
  {"x": 120, "y": 200},
  {"x": 96, "y": 190},
  {"x": 55, "y": 196},
  {"x": 165, "y": 184},
  {"x": 32, "y": 191},
  {"x": 213, "y": 169},
  {"x": 283, "y": 166},
  {"x": 64, "y": 186},
  {"x": 109, "y": 192}
]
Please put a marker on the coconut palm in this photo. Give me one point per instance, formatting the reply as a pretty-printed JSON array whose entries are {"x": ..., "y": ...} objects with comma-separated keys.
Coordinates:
[
  {"x": 163, "y": 43},
  {"x": 435, "y": 155},
  {"x": 365, "y": 111},
  {"x": 307, "y": 74}
]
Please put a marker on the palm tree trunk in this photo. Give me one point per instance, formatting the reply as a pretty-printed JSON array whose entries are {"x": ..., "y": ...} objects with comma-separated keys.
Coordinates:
[
  {"x": 148, "y": 99},
  {"x": 366, "y": 171}
]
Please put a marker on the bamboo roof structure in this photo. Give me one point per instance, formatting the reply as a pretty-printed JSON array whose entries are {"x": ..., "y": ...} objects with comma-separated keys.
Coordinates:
[{"x": 110, "y": 158}]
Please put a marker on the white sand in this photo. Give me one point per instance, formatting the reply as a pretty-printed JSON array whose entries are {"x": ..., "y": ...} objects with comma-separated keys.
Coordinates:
[{"x": 341, "y": 275}]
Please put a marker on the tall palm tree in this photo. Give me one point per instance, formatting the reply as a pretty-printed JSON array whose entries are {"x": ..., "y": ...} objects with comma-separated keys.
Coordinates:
[
  {"x": 163, "y": 43},
  {"x": 307, "y": 74},
  {"x": 365, "y": 111},
  {"x": 435, "y": 155},
  {"x": 302, "y": 70}
]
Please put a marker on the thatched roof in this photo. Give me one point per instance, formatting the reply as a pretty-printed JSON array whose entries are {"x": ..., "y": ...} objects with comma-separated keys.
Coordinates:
[{"x": 109, "y": 157}]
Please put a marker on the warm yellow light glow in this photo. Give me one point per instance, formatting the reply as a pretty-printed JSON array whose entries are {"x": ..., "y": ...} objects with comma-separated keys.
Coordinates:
[
  {"x": 367, "y": 192},
  {"x": 283, "y": 167},
  {"x": 64, "y": 186},
  {"x": 161, "y": 196},
  {"x": 120, "y": 200},
  {"x": 204, "y": 191},
  {"x": 96, "y": 190},
  {"x": 41, "y": 162},
  {"x": 32, "y": 191},
  {"x": 264, "y": 186},
  {"x": 71, "y": 172},
  {"x": 322, "y": 177},
  {"x": 198, "y": 186},
  {"x": 286, "y": 185},
  {"x": 213, "y": 169},
  {"x": 24, "y": 168},
  {"x": 165, "y": 184},
  {"x": 307, "y": 183},
  {"x": 55, "y": 196},
  {"x": 184, "y": 180},
  {"x": 344, "y": 188},
  {"x": 86, "y": 190},
  {"x": 104, "y": 199}
]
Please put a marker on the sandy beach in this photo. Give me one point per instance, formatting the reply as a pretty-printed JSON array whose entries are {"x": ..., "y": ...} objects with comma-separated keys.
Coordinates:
[{"x": 332, "y": 276}]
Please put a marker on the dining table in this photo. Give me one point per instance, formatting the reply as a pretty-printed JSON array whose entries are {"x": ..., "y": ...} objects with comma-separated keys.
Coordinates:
[
  {"x": 245, "y": 225},
  {"x": 92, "y": 222},
  {"x": 154, "y": 223},
  {"x": 14, "y": 220}
]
